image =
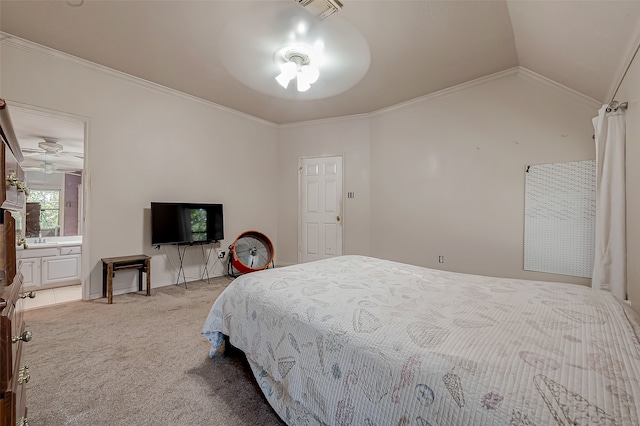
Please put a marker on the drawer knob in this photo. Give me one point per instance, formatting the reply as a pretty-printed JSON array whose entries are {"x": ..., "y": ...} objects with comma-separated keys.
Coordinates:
[
  {"x": 23, "y": 375},
  {"x": 23, "y": 242},
  {"x": 30, "y": 295},
  {"x": 25, "y": 337},
  {"x": 21, "y": 187},
  {"x": 12, "y": 179}
]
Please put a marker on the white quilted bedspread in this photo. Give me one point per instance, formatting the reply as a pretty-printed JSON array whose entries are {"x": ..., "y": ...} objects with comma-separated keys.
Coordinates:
[{"x": 355, "y": 340}]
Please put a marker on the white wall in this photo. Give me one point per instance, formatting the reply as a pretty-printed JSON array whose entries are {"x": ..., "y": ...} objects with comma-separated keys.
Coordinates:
[
  {"x": 445, "y": 173},
  {"x": 348, "y": 137},
  {"x": 630, "y": 92},
  {"x": 448, "y": 171},
  {"x": 148, "y": 144}
]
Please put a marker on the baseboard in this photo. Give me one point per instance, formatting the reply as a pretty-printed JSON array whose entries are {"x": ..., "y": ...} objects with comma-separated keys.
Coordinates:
[{"x": 134, "y": 288}]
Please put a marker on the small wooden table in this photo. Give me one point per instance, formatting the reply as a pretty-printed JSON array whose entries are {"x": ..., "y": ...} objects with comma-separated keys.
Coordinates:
[{"x": 110, "y": 265}]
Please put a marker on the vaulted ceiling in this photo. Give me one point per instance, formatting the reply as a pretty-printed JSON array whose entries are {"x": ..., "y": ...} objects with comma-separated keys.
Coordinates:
[{"x": 415, "y": 47}]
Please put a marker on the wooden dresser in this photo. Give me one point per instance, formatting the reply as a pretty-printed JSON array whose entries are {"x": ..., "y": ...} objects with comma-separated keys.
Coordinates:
[{"x": 14, "y": 374}]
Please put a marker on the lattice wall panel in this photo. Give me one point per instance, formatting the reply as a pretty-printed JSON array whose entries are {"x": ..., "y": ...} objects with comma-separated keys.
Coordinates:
[{"x": 559, "y": 224}]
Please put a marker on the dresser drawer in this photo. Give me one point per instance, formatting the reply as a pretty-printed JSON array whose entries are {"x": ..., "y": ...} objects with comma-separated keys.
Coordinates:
[
  {"x": 14, "y": 182},
  {"x": 8, "y": 247},
  {"x": 7, "y": 412},
  {"x": 20, "y": 395},
  {"x": 10, "y": 352},
  {"x": 12, "y": 379},
  {"x": 6, "y": 353}
]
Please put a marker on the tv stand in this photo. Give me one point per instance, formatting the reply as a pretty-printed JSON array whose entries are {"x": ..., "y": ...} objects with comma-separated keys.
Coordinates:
[
  {"x": 205, "y": 270},
  {"x": 205, "y": 254},
  {"x": 181, "y": 268}
]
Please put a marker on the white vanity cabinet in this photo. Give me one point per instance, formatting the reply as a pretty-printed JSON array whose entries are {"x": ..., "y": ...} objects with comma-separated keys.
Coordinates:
[
  {"x": 60, "y": 269},
  {"x": 51, "y": 266},
  {"x": 30, "y": 269}
]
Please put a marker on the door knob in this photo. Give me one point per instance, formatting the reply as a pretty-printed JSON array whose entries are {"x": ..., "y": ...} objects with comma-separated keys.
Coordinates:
[
  {"x": 338, "y": 218},
  {"x": 25, "y": 337}
]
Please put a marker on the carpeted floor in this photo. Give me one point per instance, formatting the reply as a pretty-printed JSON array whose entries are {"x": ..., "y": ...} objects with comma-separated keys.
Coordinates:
[{"x": 141, "y": 360}]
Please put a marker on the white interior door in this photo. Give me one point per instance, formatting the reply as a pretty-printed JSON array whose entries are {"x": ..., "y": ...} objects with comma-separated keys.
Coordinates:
[{"x": 320, "y": 208}]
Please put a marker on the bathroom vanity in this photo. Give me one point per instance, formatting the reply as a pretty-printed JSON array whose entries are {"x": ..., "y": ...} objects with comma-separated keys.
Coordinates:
[{"x": 50, "y": 264}]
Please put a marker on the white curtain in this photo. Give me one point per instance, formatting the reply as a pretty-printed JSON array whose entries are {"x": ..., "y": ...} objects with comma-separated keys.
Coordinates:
[{"x": 610, "y": 263}]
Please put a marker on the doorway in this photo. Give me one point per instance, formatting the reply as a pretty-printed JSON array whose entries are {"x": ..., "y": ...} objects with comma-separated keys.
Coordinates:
[
  {"x": 53, "y": 146},
  {"x": 321, "y": 208}
]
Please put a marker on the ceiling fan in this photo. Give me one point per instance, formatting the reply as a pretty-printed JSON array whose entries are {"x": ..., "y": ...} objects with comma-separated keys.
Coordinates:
[
  {"x": 48, "y": 168},
  {"x": 50, "y": 146}
]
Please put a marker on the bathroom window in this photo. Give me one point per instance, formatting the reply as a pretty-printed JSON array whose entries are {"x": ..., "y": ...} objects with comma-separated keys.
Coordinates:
[{"x": 44, "y": 211}]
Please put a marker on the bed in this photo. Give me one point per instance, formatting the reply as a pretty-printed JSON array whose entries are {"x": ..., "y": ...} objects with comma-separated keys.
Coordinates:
[{"x": 355, "y": 340}]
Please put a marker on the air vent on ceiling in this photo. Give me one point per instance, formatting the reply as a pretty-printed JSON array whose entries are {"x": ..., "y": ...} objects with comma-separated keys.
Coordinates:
[{"x": 321, "y": 8}]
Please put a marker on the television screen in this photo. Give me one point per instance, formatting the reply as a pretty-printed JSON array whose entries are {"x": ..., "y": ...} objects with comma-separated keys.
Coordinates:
[{"x": 186, "y": 223}]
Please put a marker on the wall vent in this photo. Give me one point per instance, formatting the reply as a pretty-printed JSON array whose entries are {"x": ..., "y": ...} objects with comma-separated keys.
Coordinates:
[{"x": 321, "y": 8}]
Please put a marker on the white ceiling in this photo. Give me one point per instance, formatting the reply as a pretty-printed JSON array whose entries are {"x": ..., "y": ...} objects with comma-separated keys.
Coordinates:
[
  {"x": 416, "y": 47},
  {"x": 32, "y": 127}
]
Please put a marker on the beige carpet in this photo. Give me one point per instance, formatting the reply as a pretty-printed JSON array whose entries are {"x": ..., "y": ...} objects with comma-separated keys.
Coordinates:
[{"x": 141, "y": 360}]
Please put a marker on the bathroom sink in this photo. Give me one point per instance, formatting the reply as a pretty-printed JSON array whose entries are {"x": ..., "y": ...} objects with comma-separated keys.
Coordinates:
[
  {"x": 50, "y": 244},
  {"x": 41, "y": 245}
]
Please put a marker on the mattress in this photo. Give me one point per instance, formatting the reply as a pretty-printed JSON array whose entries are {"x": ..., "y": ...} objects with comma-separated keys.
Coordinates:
[{"x": 355, "y": 340}]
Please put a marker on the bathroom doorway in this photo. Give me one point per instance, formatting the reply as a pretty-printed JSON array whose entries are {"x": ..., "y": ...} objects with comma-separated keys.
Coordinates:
[{"x": 53, "y": 146}]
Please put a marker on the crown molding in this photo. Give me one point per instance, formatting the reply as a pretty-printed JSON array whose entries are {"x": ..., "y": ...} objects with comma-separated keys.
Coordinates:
[
  {"x": 449, "y": 90},
  {"x": 530, "y": 75},
  {"x": 325, "y": 120},
  {"x": 631, "y": 54},
  {"x": 20, "y": 43},
  {"x": 515, "y": 71}
]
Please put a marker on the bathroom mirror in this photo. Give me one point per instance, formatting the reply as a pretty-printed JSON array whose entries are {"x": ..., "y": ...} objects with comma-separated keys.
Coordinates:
[{"x": 53, "y": 205}]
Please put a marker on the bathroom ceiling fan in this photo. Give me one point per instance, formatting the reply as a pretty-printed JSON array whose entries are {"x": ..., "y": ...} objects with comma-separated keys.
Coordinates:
[
  {"x": 48, "y": 168},
  {"x": 51, "y": 146}
]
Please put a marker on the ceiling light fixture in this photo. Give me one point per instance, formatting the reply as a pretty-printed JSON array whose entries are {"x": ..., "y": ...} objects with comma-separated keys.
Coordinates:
[
  {"x": 297, "y": 64},
  {"x": 48, "y": 167}
]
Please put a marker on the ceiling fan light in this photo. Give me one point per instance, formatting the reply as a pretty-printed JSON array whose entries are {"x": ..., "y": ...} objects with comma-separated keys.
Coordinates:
[
  {"x": 50, "y": 145},
  {"x": 303, "y": 85},
  {"x": 283, "y": 80},
  {"x": 48, "y": 167},
  {"x": 287, "y": 73},
  {"x": 309, "y": 73},
  {"x": 299, "y": 64}
]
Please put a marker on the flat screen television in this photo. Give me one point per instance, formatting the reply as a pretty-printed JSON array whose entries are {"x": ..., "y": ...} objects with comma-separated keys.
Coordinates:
[{"x": 186, "y": 223}]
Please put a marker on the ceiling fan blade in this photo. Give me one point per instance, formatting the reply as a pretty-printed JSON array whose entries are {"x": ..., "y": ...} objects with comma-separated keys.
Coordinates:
[
  {"x": 72, "y": 154},
  {"x": 57, "y": 171},
  {"x": 51, "y": 147}
]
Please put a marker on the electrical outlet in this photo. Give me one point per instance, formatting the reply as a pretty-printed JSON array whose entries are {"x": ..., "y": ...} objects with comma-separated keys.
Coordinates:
[
  {"x": 440, "y": 259},
  {"x": 221, "y": 253}
]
